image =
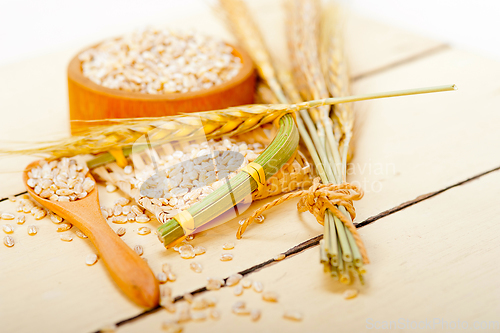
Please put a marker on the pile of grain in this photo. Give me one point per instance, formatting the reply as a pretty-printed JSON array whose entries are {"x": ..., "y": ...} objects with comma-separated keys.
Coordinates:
[{"x": 154, "y": 61}]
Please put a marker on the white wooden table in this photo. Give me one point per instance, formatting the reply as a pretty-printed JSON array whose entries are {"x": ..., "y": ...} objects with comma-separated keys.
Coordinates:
[{"x": 433, "y": 257}]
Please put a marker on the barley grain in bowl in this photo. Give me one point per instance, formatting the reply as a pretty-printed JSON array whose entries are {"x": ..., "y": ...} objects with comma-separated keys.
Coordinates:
[
  {"x": 157, "y": 72},
  {"x": 61, "y": 180},
  {"x": 159, "y": 61}
]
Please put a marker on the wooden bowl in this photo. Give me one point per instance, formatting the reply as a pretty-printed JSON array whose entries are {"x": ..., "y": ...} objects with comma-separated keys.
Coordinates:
[{"x": 90, "y": 101}]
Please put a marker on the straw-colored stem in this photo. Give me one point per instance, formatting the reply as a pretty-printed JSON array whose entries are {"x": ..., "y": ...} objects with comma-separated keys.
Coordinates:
[
  {"x": 357, "y": 259},
  {"x": 331, "y": 237},
  {"x": 364, "y": 97}
]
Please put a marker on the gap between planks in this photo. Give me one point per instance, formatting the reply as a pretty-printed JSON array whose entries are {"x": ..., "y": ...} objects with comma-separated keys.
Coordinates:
[
  {"x": 315, "y": 240},
  {"x": 404, "y": 61}
]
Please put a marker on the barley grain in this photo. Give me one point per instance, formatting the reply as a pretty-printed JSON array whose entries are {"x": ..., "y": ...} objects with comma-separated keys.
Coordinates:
[
  {"x": 196, "y": 267},
  {"x": 64, "y": 227},
  {"x": 214, "y": 314},
  {"x": 239, "y": 308},
  {"x": 188, "y": 297},
  {"x": 139, "y": 250},
  {"x": 187, "y": 253},
  {"x": 136, "y": 210},
  {"x": 91, "y": 259},
  {"x": 257, "y": 286},
  {"x": 171, "y": 277},
  {"x": 166, "y": 292},
  {"x": 185, "y": 247},
  {"x": 226, "y": 257},
  {"x": 199, "y": 250},
  {"x": 293, "y": 315},
  {"x": 170, "y": 307},
  {"x": 214, "y": 283},
  {"x": 183, "y": 314},
  {"x": 121, "y": 231},
  {"x": 126, "y": 211},
  {"x": 66, "y": 238},
  {"x": 117, "y": 210},
  {"x": 127, "y": 169},
  {"x": 142, "y": 218},
  {"x": 238, "y": 290},
  {"x": 143, "y": 231},
  {"x": 63, "y": 199},
  {"x": 8, "y": 241},
  {"x": 171, "y": 327},
  {"x": 162, "y": 277},
  {"x": 20, "y": 219},
  {"x": 270, "y": 296},
  {"x": 210, "y": 300},
  {"x": 55, "y": 218},
  {"x": 104, "y": 213},
  {"x": 199, "y": 303},
  {"x": 198, "y": 316},
  {"x": 111, "y": 188},
  {"x": 279, "y": 257},
  {"x": 8, "y": 228},
  {"x": 228, "y": 246},
  {"x": 8, "y": 216},
  {"x": 119, "y": 219},
  {"x": 80, "y": 234},
  {"x": 12, "y": 198},
  {"x": 122, "y": 201},
  {"x": 255, "y": 314},
  {"x": 32, "y": 230},
  {"x": 350, "y": 293},
  {"x": 166, "y": 268},
  {"x": 110, "y": 328},
  {"x": 233, "y": 279},
  {"x": 246, "y": 283}
]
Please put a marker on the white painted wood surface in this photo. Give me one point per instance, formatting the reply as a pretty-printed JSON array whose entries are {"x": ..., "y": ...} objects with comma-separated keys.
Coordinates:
[{"x": 433, "y": 262}]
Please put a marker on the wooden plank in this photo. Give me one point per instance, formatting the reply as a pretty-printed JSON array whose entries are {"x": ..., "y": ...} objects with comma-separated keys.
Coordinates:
[
  {"x": 432, "y": 261},
  {"x": 409, "y": 146},
  {"x": 44, "y": 114}
]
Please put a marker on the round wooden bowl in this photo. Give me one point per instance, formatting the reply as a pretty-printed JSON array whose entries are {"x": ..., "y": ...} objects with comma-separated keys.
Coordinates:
[{"x": 90, "y": 101}]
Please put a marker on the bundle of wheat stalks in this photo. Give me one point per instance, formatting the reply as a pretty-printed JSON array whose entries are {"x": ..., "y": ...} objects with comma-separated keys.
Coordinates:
[{"x": 319, "y": 71}]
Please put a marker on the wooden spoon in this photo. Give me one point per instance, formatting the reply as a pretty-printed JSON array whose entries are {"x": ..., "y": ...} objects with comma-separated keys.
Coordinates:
[{"x": 130, "y": 272}]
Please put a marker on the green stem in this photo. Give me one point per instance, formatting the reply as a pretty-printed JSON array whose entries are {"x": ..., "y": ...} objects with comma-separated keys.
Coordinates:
[{"x": 239, "y": 187}]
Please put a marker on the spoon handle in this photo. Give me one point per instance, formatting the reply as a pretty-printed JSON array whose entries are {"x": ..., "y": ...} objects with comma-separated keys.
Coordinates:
[{"x": 130, "y": 272}]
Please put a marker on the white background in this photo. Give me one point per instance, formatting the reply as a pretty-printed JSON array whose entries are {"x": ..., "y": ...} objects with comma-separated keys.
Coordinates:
[{"x": 29, "y": 28}]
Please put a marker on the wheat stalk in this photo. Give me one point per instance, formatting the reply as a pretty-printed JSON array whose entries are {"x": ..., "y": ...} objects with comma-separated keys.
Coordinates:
[
  {"x": 242, "y": 25},
  {"x": 128, "y": 132},
  {"x": 336, "y": 71},
  {"x": 241, "y": 21},
  {"x": 338, "y": 245},
  {"x": 264, "y": 94}
]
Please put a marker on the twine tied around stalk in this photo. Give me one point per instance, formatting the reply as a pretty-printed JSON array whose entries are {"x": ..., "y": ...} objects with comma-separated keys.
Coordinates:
[{"x": 316, "y": 200}]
